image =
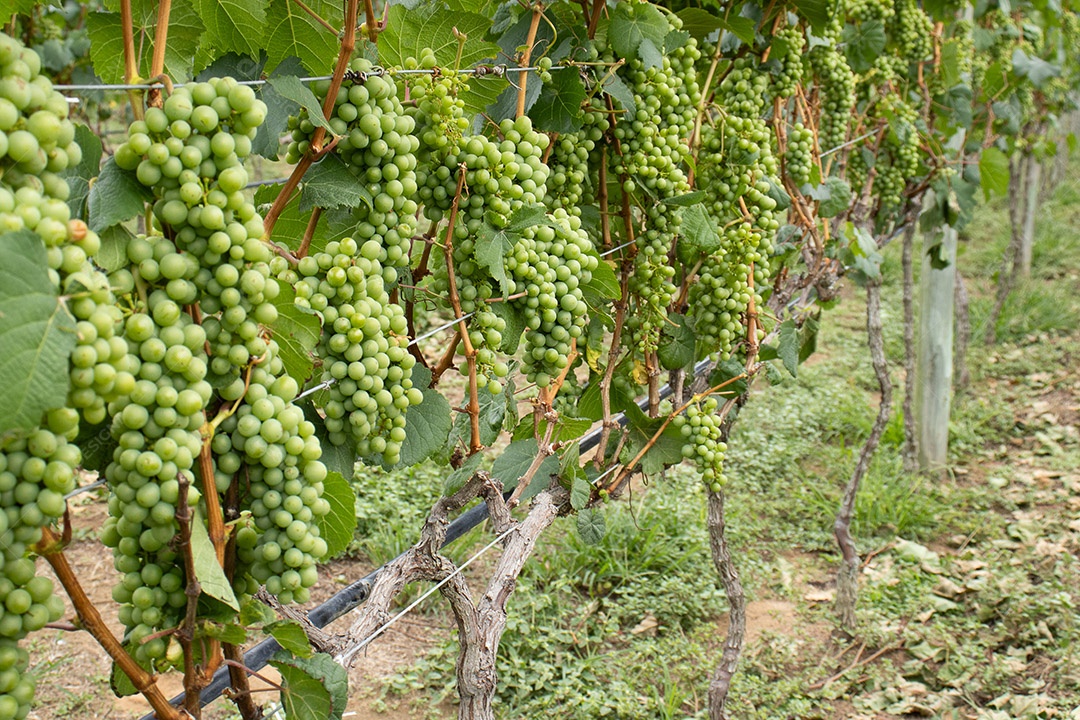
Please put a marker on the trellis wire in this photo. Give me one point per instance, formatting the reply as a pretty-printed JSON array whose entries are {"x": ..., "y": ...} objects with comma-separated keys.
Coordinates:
[
  {"x": 354, "y": 595},
  {"x": 482, "y": 71}
]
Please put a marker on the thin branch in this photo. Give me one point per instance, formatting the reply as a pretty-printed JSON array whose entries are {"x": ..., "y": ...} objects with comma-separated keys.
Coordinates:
[
  {"x": 185, "y": 634},
  {"x": 285, "y": 195},
  {"x": 348, "y": 44},
  {"x": 910, "y": 450},
  {"x": 309, "y": 233},
  {"x": 131, "y": 63},
  {"x": 317, "y": 17},
  {"x": 526, "y": 56},
  {"x": 446, "y": 360},
  {"x": 157, "y": 61}
]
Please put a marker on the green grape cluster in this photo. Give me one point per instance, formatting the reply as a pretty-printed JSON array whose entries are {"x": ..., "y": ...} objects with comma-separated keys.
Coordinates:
[
  {"x": 574, "y": 159},
  {"x": 861, "y": 11},
  {"x": 270, "y": 441},
  {"x": 19, "y": 684},
  {"x": 914, "y": 30},
  {"x": 836, "y": 85},
  {"x": 550, "y": 264},
  {"x": 736, "y": 161},
  {"x": 790, "y": 75},
  {"x": 744, "y": 89},
  {"x": 899, "y": 158},
  {"x": 378, "y": 145},
  {"x": 799, "y": 156},
  {"x": 700, "y": 426},
  {"x": 364, "y": 347}
]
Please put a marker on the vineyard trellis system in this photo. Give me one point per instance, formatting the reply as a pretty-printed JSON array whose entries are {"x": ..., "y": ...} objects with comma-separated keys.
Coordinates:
[{"x": 625, "y": 213}]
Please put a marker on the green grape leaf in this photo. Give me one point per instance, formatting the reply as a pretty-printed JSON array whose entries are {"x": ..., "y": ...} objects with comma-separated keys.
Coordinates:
[
  {"x": 515, "y": 326},
  {"x": 741, "y": 27},
  {"x": 291, "y": 637},
  {"x": 209, "y": 574},
  {"x": 37, "y": 335},
  {"x": 291, "y": 32},
  {"x": 818, "y": 12},
  {"x": 617, "y": 89},
  {"x": 699, "y": 23},
  {"x": 113, "y": 252},
  {"x": 677, "y": 340},
  {"x": 994, "y": 172},
  {"x": 1035, "y": 69},
  {"x": 457, "y": 479},
  {"x": 297, "y": 331},
  {"x": 427, "y": 425},
  {"x": 115, "y": 197},
  {"x": 591, "y": 526},
  {"x": 278, "y": 110},
  {"x": 409, "y": 31},
  {"x": 837, "y": 197},
  {"x": 338, "y": 525},
  {"x": 330, "y": 184},
  {"x": 558, "y": 109},
  {"x": 650, "y": 54},
  {"x": 495, "y": 412},
  {"x": 253, "y": 612},
  {"x": 79, "y": 177},
  {"x": 97, "y": 445},
  {"x": 121, "y": 684},
  {"x": 505, "y": 105},
  {"x": 225, "y": 632},
  {"x": 788, "y": 346},
  {"x": 950, "y": 62},
  {"x": 314, "y": 688},
  {"x": 580, "y": 490},
  {"x": 16, "y": 7},
  {"x": 808, "y": 337},
  {"x": 698, "y": 229},
  {"x": 490, "y": 250},
  {"x": 665, "y": 450},
  {"x": 725, "y": 371},
  {"x": 233, "y": 25},
  {"x": 863, "y": 43},
  {"x": 337, "y": 458},
  {"x": 632, "y": 23},
  {"x": 104, "y": 30},
  {"x": 292, "y": 223},
  {"x": 290, "y": 88},
  {"x": 604, "y": 282},
  {"x": 513, "y": 462},
  {"x": 686, "y": 199}
]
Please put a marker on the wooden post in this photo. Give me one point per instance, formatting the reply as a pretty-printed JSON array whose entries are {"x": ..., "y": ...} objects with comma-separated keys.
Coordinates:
[
  {"x": 1033, "y": 185},
  {"x": 934, "y": 368}
]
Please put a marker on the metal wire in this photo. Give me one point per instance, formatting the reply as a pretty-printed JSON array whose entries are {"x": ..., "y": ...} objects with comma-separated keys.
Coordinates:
[
  {"x": 841, "y": 146},
  {"x": 345, "y": 657},
  {"x": 616, "y": 249},
  {"x": 482, "y": 71},
  {"x": 85, "y": 488}
]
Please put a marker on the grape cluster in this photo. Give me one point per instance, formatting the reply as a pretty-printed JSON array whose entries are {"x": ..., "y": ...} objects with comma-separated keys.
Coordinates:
[
  {"x": 914, "y": 30},
  {"x": 574, "y": 161},
  {"x": 364, "y": 347},
  {"x": 378, "y": 145},
  {"x": 899, "y": 158},
  {"x": 785, "y": 82},
  {"x": 836, "y": 85},
  {"x": 701, "y": 428},
  {"x": 799, "y": 157},
  {"x": 743, "y": 91},
  {"x": 860, "y": 11}
]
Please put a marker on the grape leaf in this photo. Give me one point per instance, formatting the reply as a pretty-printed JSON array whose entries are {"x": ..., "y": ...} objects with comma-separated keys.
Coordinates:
[
  {"x": 337, "y": 458},
  {"x": 617, "y": 89},
  {"x": 994, "y": 172},
  {"x": 290, "y": 87},
  {"x": 838, "y": 198},
  {"x": 297, "y": 331},
  {"x": 37, "y": 335},
  {"x": 699, "y": 23},
  {"x": 427, "y": 425},
  {"x": 650, "y": 54},
  {"x": 515, "y": 326},
  {"x": 79, "y": 177},
  {"x": 490, "y": 250},
  {"x": 291, "y": 637},
  {"x": 107, "y": 41},
  {"x": 253, "y": 612},
  {"x": 16, "y": 7},
  {"x": 233, "y": 25},
  {"x": 119, "y": 682},
  {"x": 116, "y": 196},
  {"x": 291, "y": 32},
  {"x": 209, "y": 574},
  {"x": 225, "y": 632},
  {"x": 513, "y": 462},
  {"x": 558, "y": 109},
  {"x": 863, "y": 43},
  {"x": 97, "y": 445},
  {"x": 457, "y": 479},
  {"x": 699, "y": 230},
  {"x": 338, "y": 525},
  {"x": 580, "y": 491},
  {"x": 686, "y": 199},
  {"x": 278, "y": 110},
  {"x": 788, "y": 346},
  {"x": 1034, "y": 68},
  {"x": 591, "y": 526},
  {"x": 314, "y": 688},
  {"x": 677, "y": 342},
  {"x": 604, "y": 281},
  {"x": 631, "y": 23},
  {"x": 330, "y": 184}
]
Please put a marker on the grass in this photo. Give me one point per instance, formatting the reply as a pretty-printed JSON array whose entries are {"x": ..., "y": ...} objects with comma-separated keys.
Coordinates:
[{"x": 972, "y": 585}]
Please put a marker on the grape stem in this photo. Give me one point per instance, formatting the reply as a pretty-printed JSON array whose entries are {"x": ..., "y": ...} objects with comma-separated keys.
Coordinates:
[
  {"x": 286, "y": 194},
  {"x": 309, "y": 233},
  {"x": 157, "y": 60},
  {"x": 372, "y": 23},
  {"x": 597, "y": 8},
  {"x": 348, "y": 43},
  {"x": 540, "y": 409},
  {"x": 194, "y": 678},
  {"x": 526, "y": 56},
  {"x": 446, "y": 360},
  {"x": 473, "y": 408},
  {"x": 92, "y": 621},
  {"x": 131, "y": 65},
  {"x": 613, "y": 356}
]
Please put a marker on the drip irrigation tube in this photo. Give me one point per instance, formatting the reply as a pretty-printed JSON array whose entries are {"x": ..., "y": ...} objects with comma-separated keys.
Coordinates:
[{"x": 357, "y": 593}]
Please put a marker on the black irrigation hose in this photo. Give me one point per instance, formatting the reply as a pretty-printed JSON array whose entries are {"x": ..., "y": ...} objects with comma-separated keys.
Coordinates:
[{"x": 357, "y": 593}]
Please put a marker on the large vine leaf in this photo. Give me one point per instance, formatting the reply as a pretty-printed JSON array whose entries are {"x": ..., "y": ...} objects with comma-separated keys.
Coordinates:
[
  {"x": 79, "y": 176},
  {"x": 427, "y": 425},
  {"x": 16, "y": 7},
  {"x": 37, "y": 335},
  {"x": 408, "y": 32},
  {"x": 116, "y": 196},
  {"x": 291, "y": 636},
  {"x": 290, "y": 87},
  {"x": 314, "y": 688},
  {"x": 338, "y": 525},
  {"x": 297, "y": 331},
  {"x": 233, "y": 25},
  {"x": 291, "y": 32},
  {"x": 207, "y": 570},
  {"x": 677, "y": 341},
  {"x": 330, "y": 184},
  {"x": 514, "y": 461},
  {"x": 558, "y": 109},
  {"x": 107, "y": 41},
  {"x": 634, "y": 23},
  {"x": 994, "y": 172},
  {"x": 863, "y": 43}
]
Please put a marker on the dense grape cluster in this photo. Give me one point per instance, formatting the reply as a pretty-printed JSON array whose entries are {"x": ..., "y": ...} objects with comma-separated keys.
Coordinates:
[
  {"x": 364, "y": 346},
  {"x": 378, "y": 145},
  {"x": 575, "y": 159},
  {"x": 742, "y": 92},
  {"x": 799, "y": 157},
  {"x": 836, "y": 85},
  {"x": 861, "y": 11},
  {"x": 789, "y": 77},
  {"x": 701, "y": 428},
  {"x": 914, "y": 30}
]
